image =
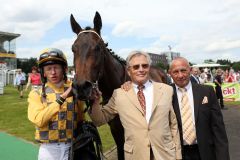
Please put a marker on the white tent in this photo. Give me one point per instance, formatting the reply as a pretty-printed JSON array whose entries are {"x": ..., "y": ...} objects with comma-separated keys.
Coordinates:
[{"x": 211, "y": 65}]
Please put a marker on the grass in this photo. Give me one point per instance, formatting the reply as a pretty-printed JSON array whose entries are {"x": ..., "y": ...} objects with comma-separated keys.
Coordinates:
[
  {"x": 237, "y": 103},
  {"x": 13, "y": 118}
]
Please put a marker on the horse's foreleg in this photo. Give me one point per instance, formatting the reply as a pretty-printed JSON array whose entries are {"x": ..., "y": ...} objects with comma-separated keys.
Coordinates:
[{"x": 118, "y": 136}]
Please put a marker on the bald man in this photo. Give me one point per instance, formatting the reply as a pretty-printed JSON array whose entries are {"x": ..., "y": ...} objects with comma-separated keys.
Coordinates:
[
  {"x": 208, "y": 131},
  {"x": 195, "y": 75}
]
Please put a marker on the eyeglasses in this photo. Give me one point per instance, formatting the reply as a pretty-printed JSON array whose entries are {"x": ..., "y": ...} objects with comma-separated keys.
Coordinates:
[
  {"x": 137, "y": 66},
  {"x": 50, "y": 54},
  {"x": 49, "y": 69}
]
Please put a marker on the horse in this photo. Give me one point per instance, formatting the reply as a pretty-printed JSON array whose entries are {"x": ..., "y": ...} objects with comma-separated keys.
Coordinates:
[{"x": 98, "y": 66}]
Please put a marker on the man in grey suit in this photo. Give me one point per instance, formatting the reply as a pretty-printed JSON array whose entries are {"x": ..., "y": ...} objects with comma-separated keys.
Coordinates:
[
  {"x": 194, "y": 78},
  {"x": 210, "y": 141},
  {"x": 146, "y": 113}
]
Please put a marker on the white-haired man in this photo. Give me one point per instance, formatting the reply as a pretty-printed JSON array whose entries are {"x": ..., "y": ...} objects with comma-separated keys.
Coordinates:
[{"x": 146, "y": 113}]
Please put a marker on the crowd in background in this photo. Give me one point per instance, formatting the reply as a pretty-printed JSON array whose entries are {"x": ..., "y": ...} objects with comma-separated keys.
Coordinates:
[
  {"x": 33, "y": 79},
  {"x": 198, "y": 75},
  {"x": 216, "y": 76},
  {"x": 207, "y": 75}
]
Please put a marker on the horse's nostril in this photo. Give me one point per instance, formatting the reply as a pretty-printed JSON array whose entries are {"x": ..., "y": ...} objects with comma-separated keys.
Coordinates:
[
  {"x": 83, "y": 91},
  {"x": 87, "y": 85}
]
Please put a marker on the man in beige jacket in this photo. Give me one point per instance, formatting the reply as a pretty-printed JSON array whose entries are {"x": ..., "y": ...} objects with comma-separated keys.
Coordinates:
[{"x": 147, "y": 115}]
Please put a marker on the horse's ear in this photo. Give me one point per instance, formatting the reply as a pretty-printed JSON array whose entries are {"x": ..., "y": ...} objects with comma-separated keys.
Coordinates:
[
  {"x": 97, "y": 23},
  {"x": 76, "y": 28}
]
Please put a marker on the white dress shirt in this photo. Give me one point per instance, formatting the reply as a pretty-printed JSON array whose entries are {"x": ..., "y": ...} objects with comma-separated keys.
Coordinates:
[{"x": 148, "y": 93}]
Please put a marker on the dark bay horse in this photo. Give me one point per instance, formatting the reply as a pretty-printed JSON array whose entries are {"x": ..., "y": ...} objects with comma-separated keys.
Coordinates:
[{"x": 97, "y": 66}]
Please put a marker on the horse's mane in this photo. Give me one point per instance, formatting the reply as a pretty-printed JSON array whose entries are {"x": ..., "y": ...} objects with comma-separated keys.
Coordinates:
[{"x": 117, "y": 57}]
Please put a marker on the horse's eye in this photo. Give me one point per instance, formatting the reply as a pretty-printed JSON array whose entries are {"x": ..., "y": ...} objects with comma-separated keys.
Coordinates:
[{"x": 97, "y": 48}]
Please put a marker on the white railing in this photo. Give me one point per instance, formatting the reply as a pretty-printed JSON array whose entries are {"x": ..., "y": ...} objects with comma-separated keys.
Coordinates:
[{"x": 6, "y": 76}]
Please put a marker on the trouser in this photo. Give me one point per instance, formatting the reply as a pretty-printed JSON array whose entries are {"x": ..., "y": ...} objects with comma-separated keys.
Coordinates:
[
  {"x": 221, "y": 102},
  {"x": 152, "y": 155},
  {"x": 36, "y": 87},
  {"x": 20, "y": 87},
  {"x": 191, "y": 152},
  {"x": 54, "y": 151},
  {"x": 219, "y": 96}
]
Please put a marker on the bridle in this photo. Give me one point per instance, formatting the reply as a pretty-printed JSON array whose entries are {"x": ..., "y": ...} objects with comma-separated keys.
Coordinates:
[
  {"x": 87, "y": 31},
  {"x": 94, "y": 85},
  {"x": 89, "y": 133}
]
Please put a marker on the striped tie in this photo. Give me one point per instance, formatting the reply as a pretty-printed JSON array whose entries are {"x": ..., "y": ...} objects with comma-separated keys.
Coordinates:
[
  {"x": 141, "y": 98},
  {"x": 189, "y": 132}
]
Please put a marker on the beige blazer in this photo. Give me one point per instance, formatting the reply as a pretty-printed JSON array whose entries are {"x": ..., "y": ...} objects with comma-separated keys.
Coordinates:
[{"x": 161, "y": 133}]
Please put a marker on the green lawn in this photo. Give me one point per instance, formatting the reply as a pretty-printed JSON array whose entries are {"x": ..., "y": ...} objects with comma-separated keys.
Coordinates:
[
  {"x": 13, "y": 118},
  {"x": 232, "y": 103}
]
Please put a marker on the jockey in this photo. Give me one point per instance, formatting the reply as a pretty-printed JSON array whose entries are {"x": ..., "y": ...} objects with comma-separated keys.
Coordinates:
[{"x": 51, "y": 108}]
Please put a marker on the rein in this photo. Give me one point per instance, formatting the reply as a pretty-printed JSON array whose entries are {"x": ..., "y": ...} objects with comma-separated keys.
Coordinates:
[{"x": 88, "y": 141}]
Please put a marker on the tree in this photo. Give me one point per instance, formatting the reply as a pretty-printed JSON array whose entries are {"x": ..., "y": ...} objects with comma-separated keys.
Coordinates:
[
  {"x": 236, "y": 66},
  {"x": 191, "y": 64},
  {"x": 224, "y": 62},
  {"x": 26, "y": 64},
  {"x": 209, "y": 61},
  {"x": 162, "y": 66}
]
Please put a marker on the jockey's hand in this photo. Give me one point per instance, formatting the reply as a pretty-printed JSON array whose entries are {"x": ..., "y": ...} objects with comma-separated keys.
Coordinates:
[
  {"x": 126, "y": 86},
  {"x": 67, "y": 93}
]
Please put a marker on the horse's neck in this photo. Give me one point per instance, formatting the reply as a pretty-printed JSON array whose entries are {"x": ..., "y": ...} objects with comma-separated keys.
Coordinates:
[{"x": 114, "y": 75}]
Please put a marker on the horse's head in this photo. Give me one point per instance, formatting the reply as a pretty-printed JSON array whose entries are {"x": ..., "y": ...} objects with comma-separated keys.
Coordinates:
[{"x": 88, "y": 51}]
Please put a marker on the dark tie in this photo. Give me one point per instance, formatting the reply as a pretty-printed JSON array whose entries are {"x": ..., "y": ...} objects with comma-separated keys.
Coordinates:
[
  {"x": 141, "y": 98},
  {"x": 198, "y": 80}
]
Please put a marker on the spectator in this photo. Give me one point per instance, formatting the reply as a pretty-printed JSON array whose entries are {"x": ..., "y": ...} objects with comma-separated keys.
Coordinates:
[
  {"x": 71, "y": 75},
  {"x": 226, "y": 74},
  {"x": 34, "y": 79},
  {"x": 231, "y": 70},
  {"x": 195, "y": 75},
  {"x": 20, "y": 81},
  {"x": 214, "y": 72},
  {"x": 218, "y": 82},
  {"x": 202, "y": 77},
  {"x": 238, "y": 76},
  {"x": 229, "y": 77},
  {"x": 209, "y": 78}
]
